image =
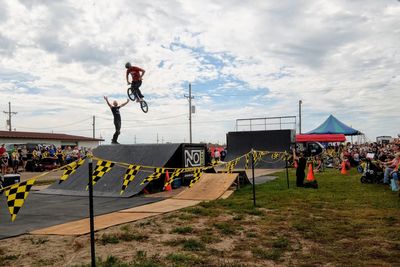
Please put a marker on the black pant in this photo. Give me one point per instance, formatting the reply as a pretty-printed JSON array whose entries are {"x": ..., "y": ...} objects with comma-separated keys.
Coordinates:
[
  {"x": 300, "y": 175},
  {"x": 135, "y": 88},
  {"x": 117, "y": 123}
]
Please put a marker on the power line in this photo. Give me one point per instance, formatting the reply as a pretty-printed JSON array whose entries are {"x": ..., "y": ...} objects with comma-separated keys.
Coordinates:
[{"x": 59, "y": 126}]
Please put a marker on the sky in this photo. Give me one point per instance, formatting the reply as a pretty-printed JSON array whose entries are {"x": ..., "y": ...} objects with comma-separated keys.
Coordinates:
[{"x": 243, "y": 59}]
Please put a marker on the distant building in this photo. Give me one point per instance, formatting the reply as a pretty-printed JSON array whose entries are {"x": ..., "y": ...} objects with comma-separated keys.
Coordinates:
[{"x": 14, "y": 137}]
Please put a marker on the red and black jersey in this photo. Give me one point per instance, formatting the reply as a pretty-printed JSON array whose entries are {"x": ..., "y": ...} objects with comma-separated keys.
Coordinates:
[{"x": 135, "y": 73}]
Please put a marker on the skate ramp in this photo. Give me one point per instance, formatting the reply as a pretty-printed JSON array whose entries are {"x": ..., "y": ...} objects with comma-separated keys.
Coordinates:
[
  {"x": 240, "y": 143},
  {"x": 110, "y": 184},
  {"x": 211, "y": 186}
]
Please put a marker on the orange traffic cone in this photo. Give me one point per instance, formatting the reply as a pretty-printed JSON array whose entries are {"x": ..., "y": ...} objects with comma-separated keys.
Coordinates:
[
  {"x": 343, "y": 170},
  {"x": 168, "y": 187},
  {"x": 310, "y": 174}
]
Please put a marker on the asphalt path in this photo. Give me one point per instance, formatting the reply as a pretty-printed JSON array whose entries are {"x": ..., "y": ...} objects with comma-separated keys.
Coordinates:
[{"x": 41, "y": 211}]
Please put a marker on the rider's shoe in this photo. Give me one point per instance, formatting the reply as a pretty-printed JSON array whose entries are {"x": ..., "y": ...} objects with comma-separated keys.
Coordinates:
[{"x": 114, "y": 142}]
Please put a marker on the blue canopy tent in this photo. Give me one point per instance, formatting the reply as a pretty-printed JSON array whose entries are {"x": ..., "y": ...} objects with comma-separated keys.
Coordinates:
[{"x": 334, "y": 126}]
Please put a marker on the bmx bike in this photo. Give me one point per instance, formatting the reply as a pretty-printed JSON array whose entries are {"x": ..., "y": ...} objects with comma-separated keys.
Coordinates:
[{"x": 132, "y": 94}]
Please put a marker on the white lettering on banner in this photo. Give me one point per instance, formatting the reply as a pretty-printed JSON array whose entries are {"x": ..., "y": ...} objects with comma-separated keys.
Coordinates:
[{"x": 194, "y": 158}]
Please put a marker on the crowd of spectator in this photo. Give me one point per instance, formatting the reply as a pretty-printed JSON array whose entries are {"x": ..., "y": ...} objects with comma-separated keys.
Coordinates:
[
  {"x": 38, "y": 158},
  {"x": 385, "y": 156}
]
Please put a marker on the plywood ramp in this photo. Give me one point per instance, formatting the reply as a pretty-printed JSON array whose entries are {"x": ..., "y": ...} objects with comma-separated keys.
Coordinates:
[
  {"x": 227, "y": 194},
  {"x": 164, "y": 206},
  {"x": 81, "y": 227},
  {"x": 211, "y": 186}
]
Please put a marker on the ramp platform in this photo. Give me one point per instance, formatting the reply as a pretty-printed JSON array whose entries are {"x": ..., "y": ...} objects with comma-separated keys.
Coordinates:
[{"x": 111, "y": 183}]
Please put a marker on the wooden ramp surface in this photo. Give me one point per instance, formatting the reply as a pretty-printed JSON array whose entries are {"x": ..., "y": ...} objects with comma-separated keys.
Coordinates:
[
  {"x": 164, "y": 206},
  {"x": 210, "y": 186},
  {"x": 81, "y": 227}
]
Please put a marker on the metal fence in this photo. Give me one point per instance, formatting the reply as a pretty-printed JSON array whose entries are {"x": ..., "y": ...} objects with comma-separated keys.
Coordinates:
[{"x": 267, "y": 123}]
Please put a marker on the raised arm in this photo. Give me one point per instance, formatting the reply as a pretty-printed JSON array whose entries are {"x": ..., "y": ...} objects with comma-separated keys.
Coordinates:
[
  {"x": 123, "y": 104},
  {"x": 108, "y": 103},
  {"x": 294, "y": 153},
  {"x": 143, "y": 72}
]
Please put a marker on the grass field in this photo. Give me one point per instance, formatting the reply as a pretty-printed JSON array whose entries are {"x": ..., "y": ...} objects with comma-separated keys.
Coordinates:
[{"x": 343, "y": 223}]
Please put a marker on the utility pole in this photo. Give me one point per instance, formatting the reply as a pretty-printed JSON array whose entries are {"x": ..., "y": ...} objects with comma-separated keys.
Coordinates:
[
  {"x": 9, "y": 116},
  {"x": 190, "y": 97},
  {"x": 300, "y": 102},
  {"x": 94, "y": 126},
  {"x": 135, "y": 138},
  {"x": 157, "y": 138}
]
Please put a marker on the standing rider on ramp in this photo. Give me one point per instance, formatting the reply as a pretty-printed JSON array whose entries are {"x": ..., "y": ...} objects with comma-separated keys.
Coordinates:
[
  {"x": 137, "y": 75},
  {"x": 117, "y": 117}
]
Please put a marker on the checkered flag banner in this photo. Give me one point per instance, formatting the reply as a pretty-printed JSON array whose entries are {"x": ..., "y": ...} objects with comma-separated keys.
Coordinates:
[
  {"x": 70, "y": 169},
  {"x": 129, "y": 176},
  {"x": 258, "y": 155},
  {"x": 196, "y": 176},
  {"x": 176, "y": 173},
  {"x": 16, "y": 195},
  {"x": 275, "y": 155},
  {"x": 247, "y": 161},
  {"x": 156, "y": 175},
  {"x": 231, "y": 165},
  {"x": 102, "y": 167}
]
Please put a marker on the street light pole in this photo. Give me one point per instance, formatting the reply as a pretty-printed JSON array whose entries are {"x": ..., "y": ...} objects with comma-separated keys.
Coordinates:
[{"x": 300, "y": 102}]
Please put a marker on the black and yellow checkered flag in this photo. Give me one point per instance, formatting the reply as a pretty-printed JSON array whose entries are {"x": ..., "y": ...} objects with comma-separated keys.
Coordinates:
[
  {"x": 16, "y": 195},
  {"x": 176, "y": 173},
  {"x": 231, "y": 165},
  {"x": 196, "y": 176},
  {"x": 247, "y": 161},
  {"x": 129, "y": 176},
  {"x": 156, "y": 175},
  {"x": 70, "y": 169},
  {"x": 258, "y": 155},
  {"x": 275, "y": 155},
  {"x": 102, "y": 167},
  {"x": 214, "y": 162}
]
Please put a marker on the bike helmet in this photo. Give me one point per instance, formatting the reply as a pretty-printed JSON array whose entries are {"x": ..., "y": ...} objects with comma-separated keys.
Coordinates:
[{"x": 128, "y": 65}]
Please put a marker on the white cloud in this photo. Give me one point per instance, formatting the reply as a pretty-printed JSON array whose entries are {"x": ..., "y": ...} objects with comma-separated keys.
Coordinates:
[{"x": 60, "y": 57}]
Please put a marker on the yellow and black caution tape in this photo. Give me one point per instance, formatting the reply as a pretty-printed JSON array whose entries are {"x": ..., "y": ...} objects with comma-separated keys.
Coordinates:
[
  {"x": 130, "y": 174},
  {"x": 16, "y": 194}
]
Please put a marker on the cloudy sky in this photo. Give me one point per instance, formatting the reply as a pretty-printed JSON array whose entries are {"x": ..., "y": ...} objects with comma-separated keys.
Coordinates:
[{"x": 244, "y": 59}]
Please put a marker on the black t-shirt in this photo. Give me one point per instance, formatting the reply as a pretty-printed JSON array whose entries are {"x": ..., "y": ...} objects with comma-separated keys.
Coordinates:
[
  {"x": 115, "y": 112},
  {"x": 302, "y": 164}
]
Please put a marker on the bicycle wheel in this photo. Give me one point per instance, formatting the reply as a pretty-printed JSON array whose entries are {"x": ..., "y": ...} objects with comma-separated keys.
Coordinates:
[
  {"x": 131, "y": 94},
  {"x": 143, "y": 106}
]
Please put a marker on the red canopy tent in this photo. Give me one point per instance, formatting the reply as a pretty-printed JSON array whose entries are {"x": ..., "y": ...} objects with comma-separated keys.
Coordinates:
[{"x": 301, "y": 138}]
